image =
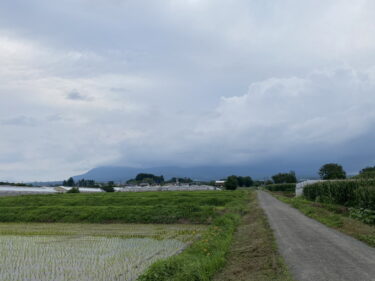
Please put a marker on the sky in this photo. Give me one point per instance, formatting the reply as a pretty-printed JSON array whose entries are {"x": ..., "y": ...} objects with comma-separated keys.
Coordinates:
[{"x": 145, "y": 83}]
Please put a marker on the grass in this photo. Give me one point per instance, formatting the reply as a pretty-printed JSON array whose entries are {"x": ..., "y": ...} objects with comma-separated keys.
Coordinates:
[
  {"x": 334, "y": 216},
  {"x": 138, "y": 207},
  {"x": 207, "y": 255},
  {"x": 253, "y": 255},
  {"x": 250, "y": 253},
  {"x": 181, "y": 232},
  {"x": 219, "y": 213}
]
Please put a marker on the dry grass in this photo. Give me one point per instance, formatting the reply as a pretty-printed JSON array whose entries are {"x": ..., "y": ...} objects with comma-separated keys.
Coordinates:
[{"x": 253, "y": 255}]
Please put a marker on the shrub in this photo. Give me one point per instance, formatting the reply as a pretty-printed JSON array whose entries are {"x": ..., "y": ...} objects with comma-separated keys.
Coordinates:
[
  {"x": 285, "y": 187},
  {"x": 73, "y": 190},
  {"x": 365, "y": 215},
  {"x": 108, "y": 188}
]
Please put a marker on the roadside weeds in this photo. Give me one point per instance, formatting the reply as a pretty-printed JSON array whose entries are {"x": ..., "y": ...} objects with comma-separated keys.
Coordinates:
[
  {"x": 333, "y": 216},
  {"x": 253, "y": 255}
]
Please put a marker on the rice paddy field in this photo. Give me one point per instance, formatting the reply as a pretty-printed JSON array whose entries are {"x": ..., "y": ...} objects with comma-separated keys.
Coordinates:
[
  {"x": 87, "y": 252},
  {"x": 117, "y": 236}
]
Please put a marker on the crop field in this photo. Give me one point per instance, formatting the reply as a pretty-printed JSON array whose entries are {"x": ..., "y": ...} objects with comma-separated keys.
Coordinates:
[
  {"x": 118, "y": 236},
  {"x": 87, "y": 252},
  {"x": 122, "y": 207}
]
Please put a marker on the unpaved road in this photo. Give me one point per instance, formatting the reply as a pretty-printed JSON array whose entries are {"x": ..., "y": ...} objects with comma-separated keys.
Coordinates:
[{"x": 313, "y": 251}]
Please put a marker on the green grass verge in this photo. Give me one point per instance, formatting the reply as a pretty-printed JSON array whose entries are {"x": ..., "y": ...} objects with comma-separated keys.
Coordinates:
[
  {"x": 138, "y": 207},
  {"x": 183, "y": 232},
  {"x": 254, "y": 255},
  {"x": 202, "y": 259},
  {"x": 334, "y": 216},
  {"x": 250, "y": 253},
  {"x": 207, "y": 255}
]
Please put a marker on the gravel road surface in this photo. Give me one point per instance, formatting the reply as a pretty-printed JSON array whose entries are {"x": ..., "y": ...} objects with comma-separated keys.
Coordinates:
[{"x": 313, "y": 251}]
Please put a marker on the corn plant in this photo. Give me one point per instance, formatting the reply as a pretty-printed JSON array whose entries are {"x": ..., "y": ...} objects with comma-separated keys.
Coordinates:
[{"x": 352, "y": 193}]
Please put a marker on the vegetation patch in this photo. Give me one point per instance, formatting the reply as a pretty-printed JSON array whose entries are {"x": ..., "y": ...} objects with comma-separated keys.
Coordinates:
[
  {"x": 206, "y": 256},
  {"x": 282, "y": 187},
  {"x": 350, "y": 193},
  {"x": 89, "y": 252},
  {"x": 359, "y": 195},
  {"x": 131, "y": 207},
  {"x": 182, "y": 232},
  {"x": 335, "y": 216},
  {"x": 253, "y": 255},
  {"x": 45, "y": 258}
]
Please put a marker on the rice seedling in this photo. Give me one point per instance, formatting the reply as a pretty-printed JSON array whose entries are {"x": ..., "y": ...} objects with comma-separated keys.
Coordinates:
[{"x": 63, "y": 258}]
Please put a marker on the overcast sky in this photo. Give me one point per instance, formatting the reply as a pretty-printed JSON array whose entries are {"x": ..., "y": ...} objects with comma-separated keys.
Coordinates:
[{"x": 87, "y": 83}]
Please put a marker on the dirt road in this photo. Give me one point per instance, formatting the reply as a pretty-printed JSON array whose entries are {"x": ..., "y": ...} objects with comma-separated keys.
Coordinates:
[{"x": 315, "y": 252}]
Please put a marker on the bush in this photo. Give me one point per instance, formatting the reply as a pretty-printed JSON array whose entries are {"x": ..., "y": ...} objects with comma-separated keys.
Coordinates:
[
  {"x": 285, "y": 187},
  {"x": 73, "y": 190},
  {"x": 365, "y": 215},
  {"x": 108, "y": 188}
]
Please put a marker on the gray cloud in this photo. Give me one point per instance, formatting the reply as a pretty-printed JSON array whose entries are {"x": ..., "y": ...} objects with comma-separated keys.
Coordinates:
[
  {"x": 75, "y": 95},
  {"x": 167, "y": 83},
  {"x": 19, "y": 121}
]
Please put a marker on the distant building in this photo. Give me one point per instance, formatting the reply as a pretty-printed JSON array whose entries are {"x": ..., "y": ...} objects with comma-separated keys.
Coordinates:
[
  {"x": 301, "y": 185},
  {"x": 219, "y": 183}
]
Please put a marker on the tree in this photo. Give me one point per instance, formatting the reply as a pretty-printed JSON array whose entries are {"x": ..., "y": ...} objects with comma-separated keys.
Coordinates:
[
  {"x": 69, "y": 182},
  {"x": 332, "y": 171},
  {"x": 368, "y": 170},
  {"x": 231, "y": 183},
  {"x": 366, "y": 173},
  {"x": 245, "y": 181},
  {"x": 149, "y": 178},
  {"x": 285, "y": 177}
]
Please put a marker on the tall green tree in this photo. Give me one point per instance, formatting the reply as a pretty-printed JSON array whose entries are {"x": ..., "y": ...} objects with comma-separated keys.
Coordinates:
[
  {"x": 285, "y": 177},
  {"x": 231, "y": 183},
  {"x": 245, "y": 181},
  {"x": 367, "y": 173},
  {"x": 69, "y": 182},
  {"x": 332, "y": 171}
]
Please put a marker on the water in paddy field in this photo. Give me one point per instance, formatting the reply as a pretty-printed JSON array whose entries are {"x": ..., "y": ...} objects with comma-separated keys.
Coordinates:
[{"x": 66, "y": 258}]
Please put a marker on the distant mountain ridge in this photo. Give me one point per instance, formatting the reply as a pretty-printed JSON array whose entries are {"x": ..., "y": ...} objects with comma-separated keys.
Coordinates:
[{"x": 200, "y": 173}]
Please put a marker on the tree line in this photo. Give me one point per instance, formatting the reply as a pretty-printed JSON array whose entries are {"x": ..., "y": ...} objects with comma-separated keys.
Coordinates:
[{"x": 329, "y": 171}]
